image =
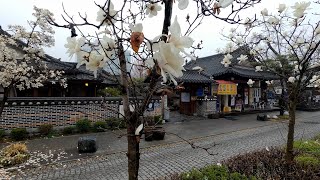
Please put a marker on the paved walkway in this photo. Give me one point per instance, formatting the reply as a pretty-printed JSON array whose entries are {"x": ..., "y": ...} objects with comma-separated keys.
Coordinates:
[{"x": 161, "y": 158}]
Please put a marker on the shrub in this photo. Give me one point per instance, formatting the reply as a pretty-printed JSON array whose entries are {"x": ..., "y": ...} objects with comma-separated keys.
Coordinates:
[
  {"x": 216, "y": 172},
  {"x": 83, "y": 125},
  {"x": 99, "y": 126},
  {"x": 157, "y": 120},
  {"x": 68, "y": 130},
  {"x": 19, "y": 134},
  {"x": 192, "y": 175},
  {"x": 45, "y": 129},
  {"x": 270, "y": 164},
  {"x": 14, "y": 154},
  {"x": 307, "y": 159},
  {"x": 115, "y": 123},
  {"x": 238, "y": 176},
  {"x": 212, "y": 172}
]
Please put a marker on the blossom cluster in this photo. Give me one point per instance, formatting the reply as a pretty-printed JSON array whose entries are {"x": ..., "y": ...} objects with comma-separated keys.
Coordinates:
[
  {"x": 21, "y": 55},
  {"x": 167, "y": 52},
  {"x": 285, "y": 32}
]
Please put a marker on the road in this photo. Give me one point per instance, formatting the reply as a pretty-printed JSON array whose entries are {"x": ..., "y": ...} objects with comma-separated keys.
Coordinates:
[{"x": 227, "y": 138}]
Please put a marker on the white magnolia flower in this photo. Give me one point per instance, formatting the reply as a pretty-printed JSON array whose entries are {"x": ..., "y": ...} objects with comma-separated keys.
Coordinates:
[
  {"x": 297, "y": 68},
  {"x": 229, "y": 48},
  {"x": 74, "y": 45},
  {"x": 152, "y": 9},
  {"x": 102, "y": 16},
  {"x": 179, "y": 41},
  {"x": 273, "y": 20},
  {"x": 314, "y": 78},
  {"x": 317, "y": 30},
  {"x": 136, "y": 27},
  {"x": 250, "y": 82},
  {"x": 224, "y": 3},
  {"x": 300, "y": 40},
  {"x": 96, "y": 61},
  {"x": 291, "y": 79},
  {"x": 299, "y": 8},
  {"x": 313, "y": 45},
  {"x": 183, "y": 4},
  {"x": 281, "y": 8},
  {"x": 239, "y": 41},
  {"x": 253, "y": 52},
  {"x": 232, "y": 30},
  {"x": 82, "y": 58},
  {"x": 258, "y": 68},
  {"x": 169, "y": 61},
  {"x": 242, "y": 58},
  {"x": 269, "y": 82},
  {"x": 227, "y": 60},
  {"x": 264, "y": 12}
]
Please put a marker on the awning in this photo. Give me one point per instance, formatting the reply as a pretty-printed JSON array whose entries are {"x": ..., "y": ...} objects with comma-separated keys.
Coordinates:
[{"x": 226, "y": 87}]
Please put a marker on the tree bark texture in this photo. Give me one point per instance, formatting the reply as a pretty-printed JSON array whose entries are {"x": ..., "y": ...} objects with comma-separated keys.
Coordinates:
[
  {"x": 131, "y": 121},
  {"x": 4, "y": 100},
  {"x": 292, "y": 120}
]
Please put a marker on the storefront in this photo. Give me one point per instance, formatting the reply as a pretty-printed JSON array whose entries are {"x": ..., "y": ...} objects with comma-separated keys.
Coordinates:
[{"x": 226, "y": 95}]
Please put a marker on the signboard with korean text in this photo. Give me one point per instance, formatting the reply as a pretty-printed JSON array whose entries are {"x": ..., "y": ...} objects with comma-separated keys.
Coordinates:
[{"x": 227, "y": 89}]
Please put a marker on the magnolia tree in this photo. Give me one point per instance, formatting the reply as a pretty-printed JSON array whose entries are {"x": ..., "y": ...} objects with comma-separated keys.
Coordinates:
[
  {"x": 22, "y": 57},
  {"x": 285, "y": 42},
  {"x": 119, "y": 28}
]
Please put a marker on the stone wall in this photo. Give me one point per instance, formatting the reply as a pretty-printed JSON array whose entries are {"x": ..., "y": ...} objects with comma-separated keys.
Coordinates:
[{"x": 62, "y": 111}]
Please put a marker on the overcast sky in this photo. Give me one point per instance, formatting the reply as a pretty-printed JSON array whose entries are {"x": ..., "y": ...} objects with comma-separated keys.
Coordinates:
[{"x": 19, "y": 11}]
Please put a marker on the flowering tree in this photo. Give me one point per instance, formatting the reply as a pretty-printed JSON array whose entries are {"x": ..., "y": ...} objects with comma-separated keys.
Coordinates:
[
  {"x": 22, "y": 57},
  {"x": 286, "y": 43},
  {"x": 118, "y": 29}
]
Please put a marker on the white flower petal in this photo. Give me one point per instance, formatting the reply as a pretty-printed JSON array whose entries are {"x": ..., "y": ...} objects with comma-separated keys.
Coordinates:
[{"x": 183, "y": 4}]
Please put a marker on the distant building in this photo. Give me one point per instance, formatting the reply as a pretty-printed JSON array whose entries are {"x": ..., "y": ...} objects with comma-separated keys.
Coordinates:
[{"x": 80, "y": 81}]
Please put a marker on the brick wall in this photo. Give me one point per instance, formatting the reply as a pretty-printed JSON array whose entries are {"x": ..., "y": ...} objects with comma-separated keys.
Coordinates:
[{"x": 33, "y": 112}]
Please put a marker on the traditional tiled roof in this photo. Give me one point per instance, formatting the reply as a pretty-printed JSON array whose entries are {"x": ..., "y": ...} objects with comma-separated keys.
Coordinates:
[
  {"x": 212, "y": 65},
  {"x": 71, "y": 72},
  {"x": 194, "y": 76}
]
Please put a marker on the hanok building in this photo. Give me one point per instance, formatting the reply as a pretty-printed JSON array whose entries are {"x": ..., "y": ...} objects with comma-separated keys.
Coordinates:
[
  {"x": 233, "y": 93},
  {"x": 81, "y": 82},
  {"x": 196, "y": 95}
]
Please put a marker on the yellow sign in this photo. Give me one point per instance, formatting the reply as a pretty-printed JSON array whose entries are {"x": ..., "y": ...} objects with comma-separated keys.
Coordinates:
[{"x": 227, "y": 89}]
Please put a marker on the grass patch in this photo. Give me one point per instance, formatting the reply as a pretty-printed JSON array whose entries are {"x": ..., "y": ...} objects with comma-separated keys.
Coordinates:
[
  {"x": 307, "y": 159},
  {"x": 309, "y": 146}
]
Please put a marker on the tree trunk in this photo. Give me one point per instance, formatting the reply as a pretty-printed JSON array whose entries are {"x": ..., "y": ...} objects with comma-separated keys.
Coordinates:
[
  {"x": 133, "y": 150},
  {"x": 290, "y": 139},
  {"x": 4, "y": 100},
  {"x": 131, "y": 120}
]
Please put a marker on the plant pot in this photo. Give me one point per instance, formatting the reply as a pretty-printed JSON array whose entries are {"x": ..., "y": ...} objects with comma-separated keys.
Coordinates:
[
  {"x": 148, "y": 134},
  {"x": 158, "y": 133}
]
